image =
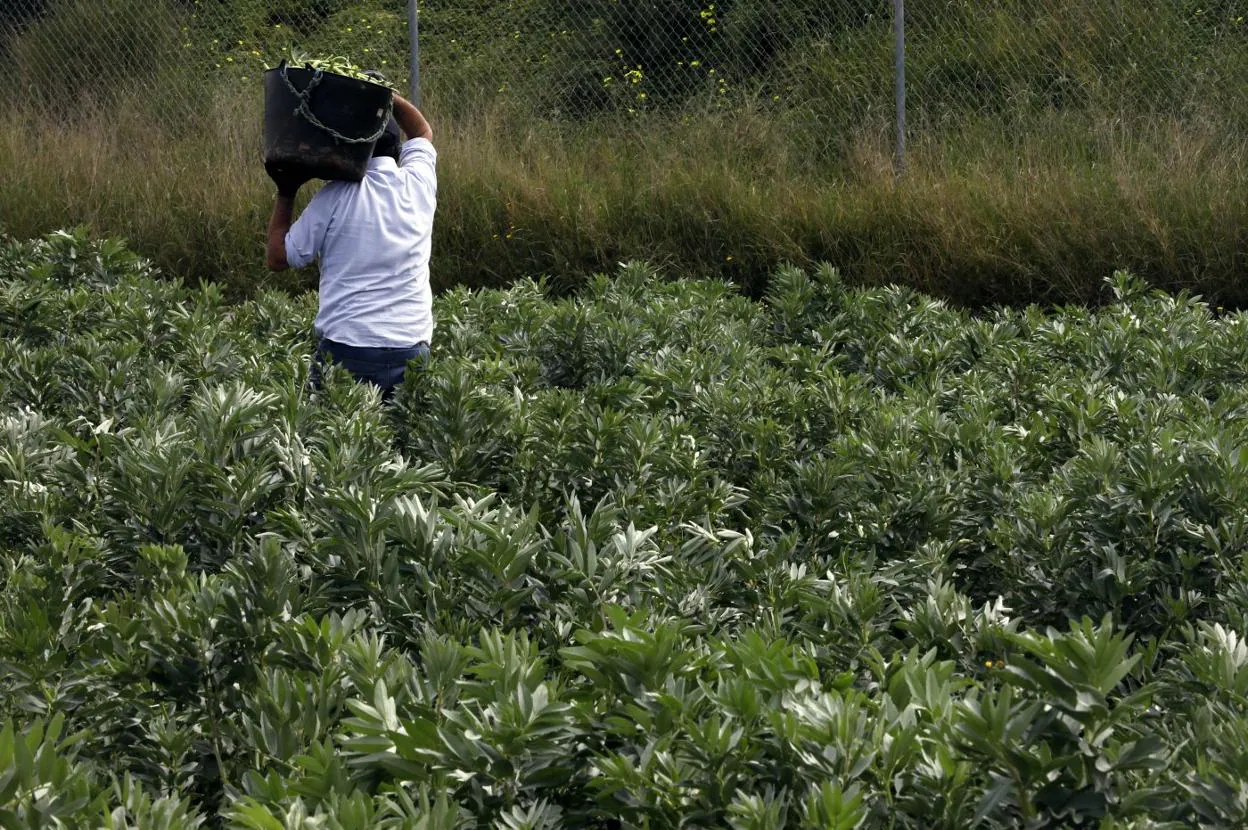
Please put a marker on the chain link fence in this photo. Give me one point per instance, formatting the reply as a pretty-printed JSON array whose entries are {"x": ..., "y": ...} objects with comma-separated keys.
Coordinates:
[
  {"x": 826, "y": 67},
  {"x": 1120, "y": 57}
]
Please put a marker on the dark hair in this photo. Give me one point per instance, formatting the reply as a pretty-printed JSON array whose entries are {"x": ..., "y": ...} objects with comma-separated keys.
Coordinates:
[{"x": 390, "y": 141}]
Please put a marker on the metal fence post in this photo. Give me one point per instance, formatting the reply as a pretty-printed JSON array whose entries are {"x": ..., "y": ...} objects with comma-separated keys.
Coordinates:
[
  {"x": 899, "y": 27},
  {"x": 413, "y": 25}
]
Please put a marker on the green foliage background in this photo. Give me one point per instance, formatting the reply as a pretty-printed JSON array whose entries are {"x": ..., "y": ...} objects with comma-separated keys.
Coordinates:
[
  {"x": 659, "y": 552},
  {"x": 658, "y": 555},
  {"x": 571, "y": 60}
]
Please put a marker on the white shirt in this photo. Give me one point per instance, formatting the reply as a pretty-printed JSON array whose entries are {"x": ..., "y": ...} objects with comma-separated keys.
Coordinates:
[{"x": 373, "y": 240}]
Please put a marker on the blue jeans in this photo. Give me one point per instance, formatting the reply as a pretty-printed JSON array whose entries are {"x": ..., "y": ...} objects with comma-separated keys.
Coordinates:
[{"x": 382, "y": 367}]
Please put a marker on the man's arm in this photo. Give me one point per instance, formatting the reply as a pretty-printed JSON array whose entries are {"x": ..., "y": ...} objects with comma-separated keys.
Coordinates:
[
  {"x": 279, "y": 226},
  {"x": 411, "y": 120}
]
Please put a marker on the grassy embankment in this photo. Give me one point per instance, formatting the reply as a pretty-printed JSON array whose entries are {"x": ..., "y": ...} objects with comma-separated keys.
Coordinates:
[
  {"x": 1135, "y": 160},
  {"x": 986, "y": 216}
]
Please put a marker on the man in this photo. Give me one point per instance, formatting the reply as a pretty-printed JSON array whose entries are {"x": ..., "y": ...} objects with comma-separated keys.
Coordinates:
[{"x": 373, "y": 240}]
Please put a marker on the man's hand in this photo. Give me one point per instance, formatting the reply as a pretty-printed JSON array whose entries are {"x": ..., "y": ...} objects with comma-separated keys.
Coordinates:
[
  {"x": 288, "y": 182},
  {"x": 411, "y": 120},
  {"x": 279, "y": 226}
]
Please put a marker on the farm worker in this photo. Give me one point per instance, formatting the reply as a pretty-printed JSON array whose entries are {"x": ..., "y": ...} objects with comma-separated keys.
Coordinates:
[{"x": 373, "y": 240}]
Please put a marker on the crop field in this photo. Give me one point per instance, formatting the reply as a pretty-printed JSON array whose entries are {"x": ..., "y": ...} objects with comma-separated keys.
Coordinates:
[{"x": 654, "y": 555}]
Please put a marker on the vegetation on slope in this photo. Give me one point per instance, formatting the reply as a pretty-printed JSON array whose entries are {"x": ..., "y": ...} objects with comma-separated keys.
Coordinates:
[{"x": 655, "y": 555}]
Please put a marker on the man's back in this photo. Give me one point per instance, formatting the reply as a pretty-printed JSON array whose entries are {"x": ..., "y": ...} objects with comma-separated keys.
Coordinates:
[{"x": 373, "y": 240}]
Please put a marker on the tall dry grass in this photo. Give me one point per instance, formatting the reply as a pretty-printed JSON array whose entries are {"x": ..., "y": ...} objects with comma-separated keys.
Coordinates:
[
  {"x": 1039, "y": 209},
  {"x": 190, "y": 199}
]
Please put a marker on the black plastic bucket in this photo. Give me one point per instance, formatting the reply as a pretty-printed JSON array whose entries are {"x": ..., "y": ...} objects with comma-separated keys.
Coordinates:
[{"x": 322, "y": 125}]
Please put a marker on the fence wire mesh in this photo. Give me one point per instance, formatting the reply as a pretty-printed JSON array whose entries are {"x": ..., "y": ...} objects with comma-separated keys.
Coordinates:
[
  {"x": 1112, "y": 57},
  {"x": 826, "y": 66}
]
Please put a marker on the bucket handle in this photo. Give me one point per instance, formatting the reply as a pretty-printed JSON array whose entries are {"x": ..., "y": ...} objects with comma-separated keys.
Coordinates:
[{"x": 305, "y": 110}]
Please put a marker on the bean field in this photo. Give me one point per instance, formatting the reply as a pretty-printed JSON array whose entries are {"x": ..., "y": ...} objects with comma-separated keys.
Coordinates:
[{"x": 651, "y": 555}]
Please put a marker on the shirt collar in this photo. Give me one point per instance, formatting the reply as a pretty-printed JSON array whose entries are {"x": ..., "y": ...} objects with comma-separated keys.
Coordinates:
[{"x": 382, "y": 163}]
